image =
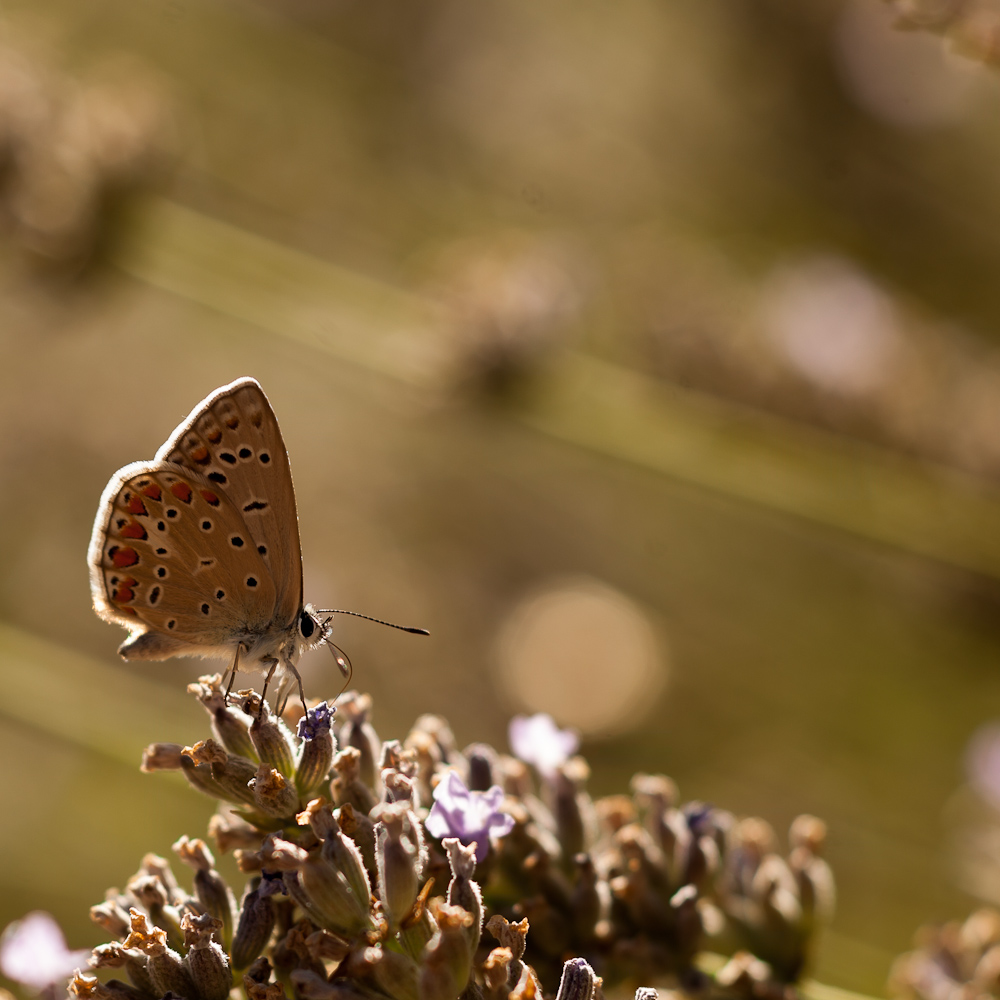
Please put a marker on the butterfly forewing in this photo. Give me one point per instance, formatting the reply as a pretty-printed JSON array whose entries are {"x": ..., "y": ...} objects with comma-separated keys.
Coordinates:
[
  {"x": 174, "y": 554},
  {"x": 232, "y": 439}
]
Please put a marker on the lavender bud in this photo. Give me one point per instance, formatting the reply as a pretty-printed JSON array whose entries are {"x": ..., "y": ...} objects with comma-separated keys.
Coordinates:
[
  {"x": 347, "y": 786},
  {"x": 398, "y": 859},
  {"x": 91, "y": 988},
  {"x": 317, "y": 749},
  {"x": 587, "y": 905},
  {"x": 339, "y": 851},
  {"x": 231, "y": 773},
  {"x": 419, "y": 926},
  {"x": 513, "y": 937},
  {"x": 273, "y": 742},
  {"x": 132, "y": 960},
  {"x": 361, "y": 830},
  {"x": 210, "y": 889},
  {"x": 462, "y": 890},
  {"x": 356, "y": 731},
  {"x": 206, "y": 961},
  {"x": 112, "y": 917},
  {"x": 255, "y": 925},
  {"x": 395, "y": 974},
  {"x": 482, "y": 766},
  {"x": 166, "y": 968},
  {"x": 572, "y": 808},
  {"x": 447, "y": 960},
  {"x": 333, "y": 898},
  {"x": 161, "y": 757},
  {"x": 230, "y": 831},
  {"x": 578, "y": 981},
  {"x": 496, "y": 974},
  {"x": 273, "y": 794},
  {"x": 229, "y": 724},
  {"x": 397, "y": 787}
]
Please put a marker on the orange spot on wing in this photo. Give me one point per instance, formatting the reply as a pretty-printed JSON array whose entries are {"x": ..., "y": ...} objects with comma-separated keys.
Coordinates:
[
  {"x": 129, "y": 581},
  {"x": 128, "y": 611},
  {"x": 122, "y": 557},
  {"x": 200, "y": 455},
  {"x": 209, "y": 497},
  {"x": 136, "y": 506},
  {"x": 232, "y": 422},
  {"x": 214, "y": 435},
  {"x": 152, "y": 491},
  {"x": 182, "y": 491},
  {"x": 123, "y": 595},
  {"x": 133, "y": 530}
]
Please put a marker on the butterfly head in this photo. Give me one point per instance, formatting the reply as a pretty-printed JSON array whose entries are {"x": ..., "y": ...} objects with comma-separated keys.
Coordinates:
[{"x": 314, "y": 629}]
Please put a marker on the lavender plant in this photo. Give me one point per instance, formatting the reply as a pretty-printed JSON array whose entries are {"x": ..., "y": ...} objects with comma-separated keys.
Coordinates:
[{"x": 413, "y": 870}]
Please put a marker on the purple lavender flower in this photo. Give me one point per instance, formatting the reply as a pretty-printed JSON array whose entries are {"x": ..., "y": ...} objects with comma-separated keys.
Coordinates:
[
  {"x": 33, "y": 952},
  {"x": 316, "y": 720},
  {"x": 537, "y": 740},
  {"x": 471, "y": 817}
]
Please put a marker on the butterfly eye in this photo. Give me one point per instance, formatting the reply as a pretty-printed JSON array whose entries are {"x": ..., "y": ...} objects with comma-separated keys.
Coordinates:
[{"x": 307, "y": 625}]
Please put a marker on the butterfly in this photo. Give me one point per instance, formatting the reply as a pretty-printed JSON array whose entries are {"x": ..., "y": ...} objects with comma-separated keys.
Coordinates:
[{"x": 197, "y": 552}]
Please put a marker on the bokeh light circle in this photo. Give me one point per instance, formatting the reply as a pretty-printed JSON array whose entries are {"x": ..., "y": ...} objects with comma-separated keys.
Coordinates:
[{"x": 583, "y": 652}]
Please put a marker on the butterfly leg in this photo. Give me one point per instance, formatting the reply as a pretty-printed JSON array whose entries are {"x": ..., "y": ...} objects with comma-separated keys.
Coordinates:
[
  {"x": 267, "y": 680},
  {"x": 232, "y": 670},
  {"x": 290, "y": 667}
]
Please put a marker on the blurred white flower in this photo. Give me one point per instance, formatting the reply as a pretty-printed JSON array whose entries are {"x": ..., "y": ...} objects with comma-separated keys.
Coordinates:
[
  {"x": 982, "y": 763},
  {"x": 831, "y": 323},
  {"x": 33, "y": 952},
  {"x": 537, "y": 740}
]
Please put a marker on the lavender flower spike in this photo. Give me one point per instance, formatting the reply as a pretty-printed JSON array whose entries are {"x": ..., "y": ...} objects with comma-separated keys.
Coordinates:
[
  {"x": 537, "y": 740},
  {"x": 471, "y": 817},
  {"x": 33, "y": 952}
]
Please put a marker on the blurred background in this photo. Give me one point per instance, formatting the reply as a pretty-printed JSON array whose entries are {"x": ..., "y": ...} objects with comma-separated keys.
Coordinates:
[{"x": 646, "y": 352}]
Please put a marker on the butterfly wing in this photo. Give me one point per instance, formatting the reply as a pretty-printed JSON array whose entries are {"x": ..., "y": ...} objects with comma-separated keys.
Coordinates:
[
  {"x": 171, "y": 559},
  {"x": 232, "y": 439}
]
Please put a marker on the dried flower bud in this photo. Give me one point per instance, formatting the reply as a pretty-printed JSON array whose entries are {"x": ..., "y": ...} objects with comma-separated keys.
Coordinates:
[
  {"x": 357, "y": 731},
  {"x": 273, "y": 741},
  {"x": 230, "y": 831},
  {"x": 496, "y": 974},
  {"x": 91, "y": 988},
  {"x": 231, "y": 774},
  {"x": 394, "y": 974},
  {"x": 273, "y": 794},
  {"x": 161, "y": 757},
  {"x": 210, "y": 889},
  {"x": 482, "y": 760},
  {"x": 255, "y": 925},
  {"x": 447, "y": 961},
  {"x": 398, "y": 856},
  {"x": 116, "y": 956},
  {"x": 360, "y": 828},
  {"x": 462, "y": 890},
  {"x": 229, "y": 724},
  {"x": 398, "y": 788},
  {"x": 166, "y": 968},
  {"x": 347, "y": 787},
  {"x": 206, "y": 961},
  {"x": 112, "y": 916}
]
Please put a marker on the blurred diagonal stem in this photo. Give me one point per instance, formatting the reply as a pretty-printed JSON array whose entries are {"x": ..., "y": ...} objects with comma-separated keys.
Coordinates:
[{"x": 823, "y": 478}]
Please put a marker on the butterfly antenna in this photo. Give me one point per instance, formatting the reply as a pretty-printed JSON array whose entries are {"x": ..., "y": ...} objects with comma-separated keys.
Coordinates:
[{"x": 357, "y": 614}]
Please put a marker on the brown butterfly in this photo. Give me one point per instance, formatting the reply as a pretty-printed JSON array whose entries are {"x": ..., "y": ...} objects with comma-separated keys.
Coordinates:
[{"x": 197, "y": 552}]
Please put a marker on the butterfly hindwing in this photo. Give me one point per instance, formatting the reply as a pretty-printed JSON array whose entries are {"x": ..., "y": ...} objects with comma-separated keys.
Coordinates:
[
  {"x": 171, "y": 554},
  {"x": 232, "y": 439}
]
